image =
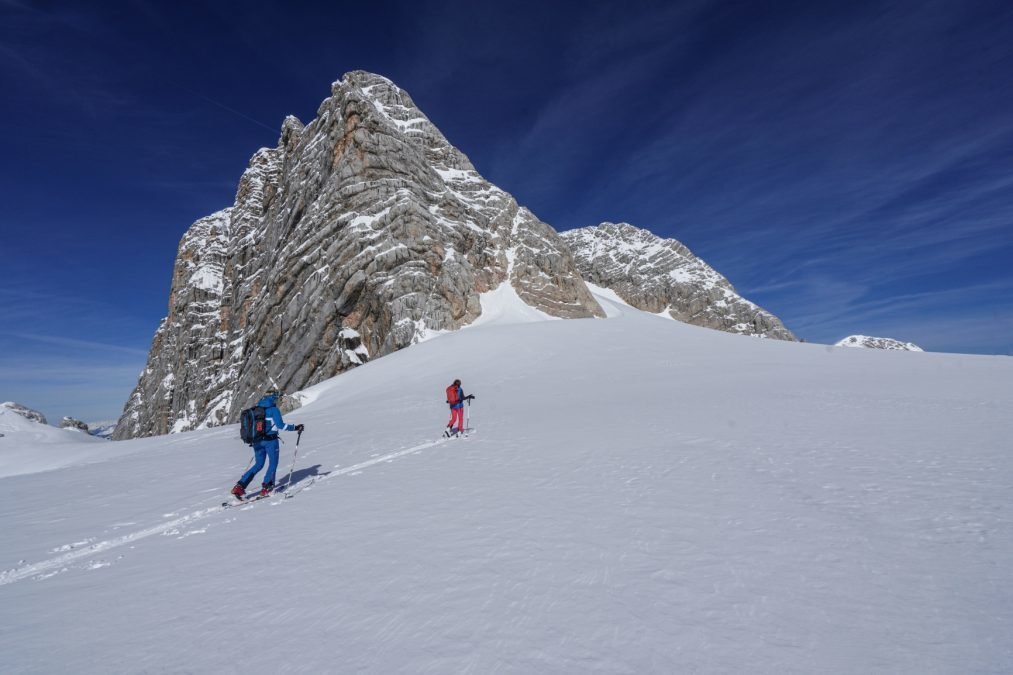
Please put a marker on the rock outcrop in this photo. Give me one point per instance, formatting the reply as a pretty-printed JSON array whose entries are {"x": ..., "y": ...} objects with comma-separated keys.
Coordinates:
[
  {"x": 26, "y": 412},
  {"x": 662, "y": 276},
  {"x": 867, "y": 342},
  {"x": 358, "y": 235},
  {"x": 71, "y": 423}
]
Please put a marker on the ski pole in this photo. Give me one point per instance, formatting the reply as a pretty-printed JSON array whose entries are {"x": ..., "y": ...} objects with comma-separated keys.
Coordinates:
[
  {"x": 467, "y": 417},
  {"x": 295, "y": 453}
]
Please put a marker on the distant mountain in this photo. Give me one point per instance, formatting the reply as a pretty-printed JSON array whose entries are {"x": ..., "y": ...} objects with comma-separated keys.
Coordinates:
[
  {"x": 662, "y": 276},
  {"x": 99, "y": 429},
  {"x": 361, "y": 233},
  {"x": 26, "y": 412},
  {"x": 867, "y": 342},
  {"x": 102, "y": 429}
]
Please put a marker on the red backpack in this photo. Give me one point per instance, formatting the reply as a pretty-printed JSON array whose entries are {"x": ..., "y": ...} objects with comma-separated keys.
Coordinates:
[{"x": 453, "y": 397}]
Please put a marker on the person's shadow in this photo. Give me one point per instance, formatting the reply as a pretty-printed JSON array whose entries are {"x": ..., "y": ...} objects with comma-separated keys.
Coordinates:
[{"x": 301, "y": 475}]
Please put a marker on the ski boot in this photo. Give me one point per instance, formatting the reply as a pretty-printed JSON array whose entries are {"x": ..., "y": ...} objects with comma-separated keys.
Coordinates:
[{"x": 239, "y": 491}]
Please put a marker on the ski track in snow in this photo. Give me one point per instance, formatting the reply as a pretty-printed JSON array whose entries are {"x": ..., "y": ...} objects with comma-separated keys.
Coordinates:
[
  {"x": 83, "y": 549},
  {"x": 760, "y": 506}
]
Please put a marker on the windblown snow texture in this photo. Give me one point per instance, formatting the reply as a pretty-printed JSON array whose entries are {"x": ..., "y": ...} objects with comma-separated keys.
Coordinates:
[{"x": 642, "y": 496}]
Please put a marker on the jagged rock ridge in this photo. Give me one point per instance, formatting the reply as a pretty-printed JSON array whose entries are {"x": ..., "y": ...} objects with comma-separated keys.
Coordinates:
[
  {"x": 662, "y": 276},
  {"x": 868, "y": 342},
  {"x": 359, "y": 234}
]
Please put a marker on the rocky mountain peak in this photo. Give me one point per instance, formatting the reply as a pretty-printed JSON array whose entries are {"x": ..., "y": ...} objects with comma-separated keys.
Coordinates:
[
  {"x": 663, "y": 276},
  {"x": 360, "y": 233}
]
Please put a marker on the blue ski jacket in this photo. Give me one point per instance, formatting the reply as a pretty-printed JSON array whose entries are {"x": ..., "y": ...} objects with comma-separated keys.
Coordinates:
[{"x": 273, "y": 416}]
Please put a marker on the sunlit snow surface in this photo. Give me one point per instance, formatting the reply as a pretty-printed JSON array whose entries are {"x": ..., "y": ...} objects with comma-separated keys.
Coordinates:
[
  {"x": 503, "y": 306},
  {"x": 639, "y": 496}
]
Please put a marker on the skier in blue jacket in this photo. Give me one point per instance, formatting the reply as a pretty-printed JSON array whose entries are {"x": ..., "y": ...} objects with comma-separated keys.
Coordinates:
[{"x": 266, "y": 448}]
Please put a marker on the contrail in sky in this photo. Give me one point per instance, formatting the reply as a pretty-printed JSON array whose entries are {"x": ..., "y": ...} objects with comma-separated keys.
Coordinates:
[{"x": 231, "y": 110}]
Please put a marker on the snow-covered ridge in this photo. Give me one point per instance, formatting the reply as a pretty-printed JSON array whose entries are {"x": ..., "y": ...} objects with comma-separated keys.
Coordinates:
[
  {"x": 29, "y": 445},
  {"x": 867, "y": 342},
  {"x": 639, "y": 496},
  {"x": 25, "y": 412},
  {"x": 662, "y": 276},
  {"x": 37, "y": 424}
]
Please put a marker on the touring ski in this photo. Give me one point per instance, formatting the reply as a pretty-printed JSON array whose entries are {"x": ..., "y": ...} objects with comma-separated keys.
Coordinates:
[{"x": 247, "y": 500}]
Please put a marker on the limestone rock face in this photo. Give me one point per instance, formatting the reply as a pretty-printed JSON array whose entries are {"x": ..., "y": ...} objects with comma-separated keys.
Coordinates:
[
  {"x": 662, "y": 276},
  {"x": 358, "y": 235},
  {"x": 867, "y": 342}
]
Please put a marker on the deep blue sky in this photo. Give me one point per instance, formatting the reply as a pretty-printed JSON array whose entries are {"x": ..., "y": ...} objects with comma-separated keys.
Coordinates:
[{"x": 847, "y": 165}]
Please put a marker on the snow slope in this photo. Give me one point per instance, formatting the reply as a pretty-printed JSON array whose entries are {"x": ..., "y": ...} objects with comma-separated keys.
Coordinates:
[
  {"x": 640, "y": 495},
  {"x": 27, "y": 446}
]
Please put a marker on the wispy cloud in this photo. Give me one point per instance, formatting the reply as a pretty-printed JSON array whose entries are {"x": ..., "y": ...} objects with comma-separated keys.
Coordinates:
[
  {"x": 75, "y": 343},
  {"x": 68, "y": 371},
  {"x": 60, "y": 72},
  {"x": 77, "y": 387},
  {"x": 973, "y": 331},
  {"x": 26, "y": 302},
  {"x": 962, "y": 318}
]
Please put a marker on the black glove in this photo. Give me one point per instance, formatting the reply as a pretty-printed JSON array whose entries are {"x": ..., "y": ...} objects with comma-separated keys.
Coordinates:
[
  {"x": 299, "y": 428},
  {"x": 469, "y": 397}
]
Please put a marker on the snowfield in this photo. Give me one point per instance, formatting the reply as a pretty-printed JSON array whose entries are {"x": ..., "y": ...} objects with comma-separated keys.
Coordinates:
[{"x": 638, "y": 496}]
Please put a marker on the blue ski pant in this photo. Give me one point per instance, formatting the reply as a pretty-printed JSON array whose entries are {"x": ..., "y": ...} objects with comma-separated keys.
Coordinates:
[{"x": 263, "y": 450}]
